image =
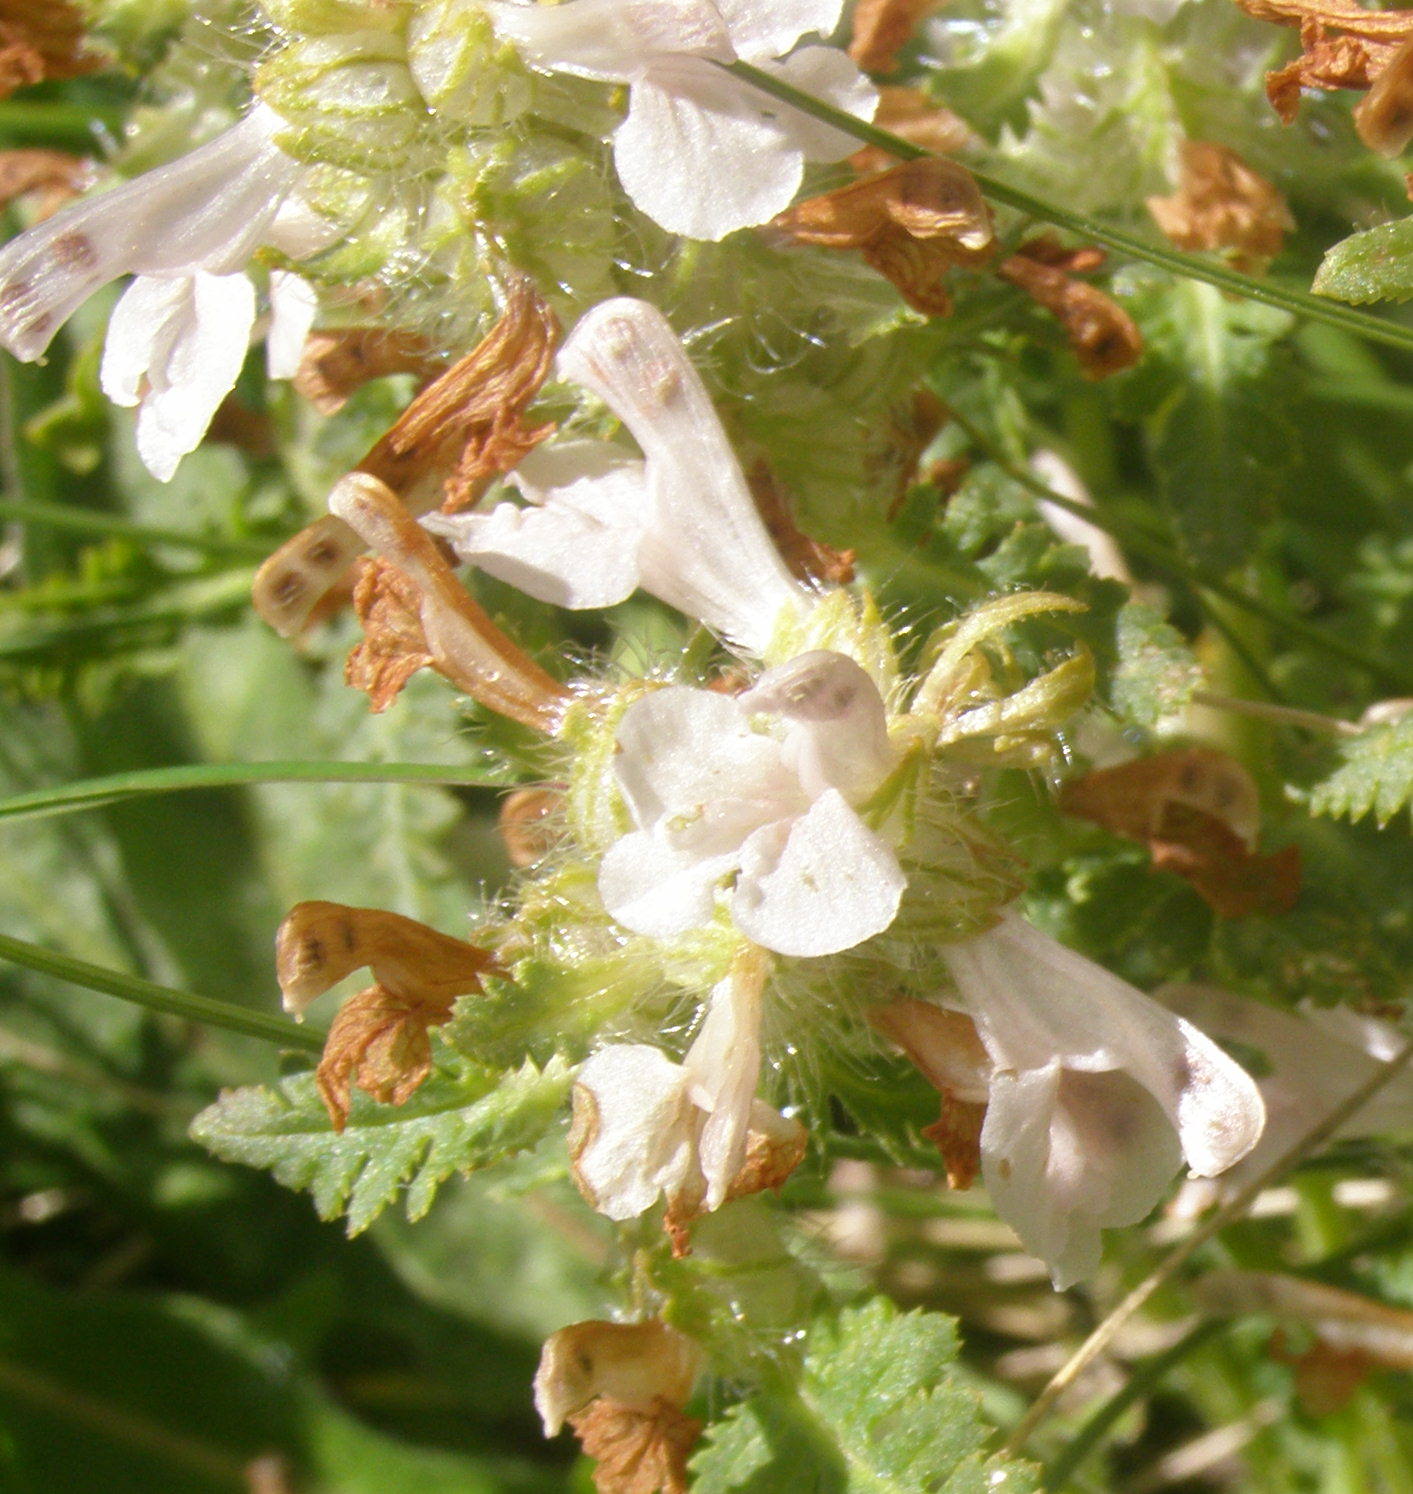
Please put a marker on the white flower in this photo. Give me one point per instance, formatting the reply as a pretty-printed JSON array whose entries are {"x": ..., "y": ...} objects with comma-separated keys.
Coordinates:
[
  {"x": 646, "y": 1127},
  {"x": 179, "y": 334},
  {"x": 1316, "y": 1060},
  {"x": 701, "y": 152},
  {"x": 681, "y": 523},
  {"x": 714, "y": 800},
  {"x": 1096, "y": 1093}
]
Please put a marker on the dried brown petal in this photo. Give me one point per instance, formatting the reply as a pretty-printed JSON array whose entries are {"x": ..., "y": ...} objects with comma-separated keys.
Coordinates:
[
  {"x": 1384, "y": 118},
  {"x": 912, "y": 223},
  {"x": 882, "y": 28},
  {"x": 1102, "y": 334},
  {"x": 1221, "y": 204},
  {"x": 39, "y": 40},
  {"x": 465, "y": 427},
  {"x": 637, "y": 1452},
  {"x": 1198, "y": 812},
  {"x": 379, "y": 1038},
  {"x": 394, "y": 646},
  {"x": 338, "y": 361},
  {"x": 450, "y": 631},
  {"x": 916, "y": 118},
  {"x": 635, "y": 1365},
  {"x": 528, "y": 823},
  {"x": 956, "y": 1134},
  {"x": 809, "y": 559},
  {"x": 53, "y": 175}
]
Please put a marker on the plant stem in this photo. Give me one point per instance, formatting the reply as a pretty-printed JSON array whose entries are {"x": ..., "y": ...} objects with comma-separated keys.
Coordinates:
[
  {"x": 164, "y": 999},
  {"x": 86, "y": 521},
  {"x": 1167, "y": 1269},
  {"x": 1298, "y": 302},
  {"x": 1282, "y": 715},
  {"x": 94, "y": 793}
]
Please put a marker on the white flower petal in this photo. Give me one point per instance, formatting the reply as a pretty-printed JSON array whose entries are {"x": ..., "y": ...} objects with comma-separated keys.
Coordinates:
[
  {"x": 1033, "y": 1000},
  {"x": 828, "y": 74},
  {"x": 706, "y": 550},
  {"x": 723, "y": 1069},
  {"x": 702, "y": 153},
  {"x": 188, "y": 337},
  {"x": 825, "y": 884},
  {"x": 611, "y": 40},
  {"x": 294, "y": 303},
  {"x": 579, "y": 549},
  {"x": 655, "y": 889},
  {"x": 769, "y": 28},
  {"x": 641, "y": 1139}
]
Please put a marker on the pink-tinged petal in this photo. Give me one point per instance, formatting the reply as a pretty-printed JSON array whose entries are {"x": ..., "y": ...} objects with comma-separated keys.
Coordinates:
[
  {"x": 822, "y": 883},
  {"x": 188, "y": 339},
  {"x": 683, "y": 752},
  {"x": 655, "y": 889},
  {"x": 838, "y": 735},
  {"x": 1033, "y": 1000},
  {"x": 641, "y": 1129},
  {"x": 612, "y": 40},
  {"x": 207, "y": 211},
  {"x": 706, "y": 550},
  {"x": 294, "y": 303},
  {"x": 762, "y": 29},
  {"x": 828, "y": 74},
  {"x": 703, "y": 154},
  {"x": 723, "y": 1069},
  {"x": 576, "y": 546}
]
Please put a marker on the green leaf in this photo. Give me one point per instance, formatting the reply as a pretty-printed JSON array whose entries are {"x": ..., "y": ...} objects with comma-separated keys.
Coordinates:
[
  {"x": 462, "y": 1119},
  {"x": 1375, "y": 265},
  {"x": 1155, "y": 671},
  {"x": 1375, "y": 778},
  {"x": 877, "y": 1409}
]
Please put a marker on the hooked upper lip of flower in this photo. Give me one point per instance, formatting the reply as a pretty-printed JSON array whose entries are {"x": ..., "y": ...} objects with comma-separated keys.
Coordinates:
[
  {"x": 710, "y": 796},
  {"x": 736, "y": 157}
]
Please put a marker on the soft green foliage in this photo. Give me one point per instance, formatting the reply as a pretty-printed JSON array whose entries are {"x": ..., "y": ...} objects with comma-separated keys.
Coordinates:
[
  {"x": 457, "y": 1122},
  {"x": 875, "y": 1408},
  {"x": 1375, "y": 777},
  {"x": 1375, "y": 265},
  {"x": 1155, "y": 672}
]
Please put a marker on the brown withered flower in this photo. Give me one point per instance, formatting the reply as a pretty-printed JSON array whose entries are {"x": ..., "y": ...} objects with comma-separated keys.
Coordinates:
[
  {"x": 1198, "y": 811},
  {"x": 622, "y": 1387},
  {"x": 1346, "y": 45},
  {"x": 417, "y": 615},
  {"x": 51, "y": 177},
  {"x": 1102, "y": 334},
  {"x": 379, "y": 1039},
  {"x": 1221, "y": 204},
  {"x": 918, "y": 119},
  {"x": 42, "y": 40},
  {"x": 882, "y": 28},
  {"x": 340, "y": 360},
  {"x": 912, "y": 223},
  {"x": 528, "y": 822},
  {"x": 455, "y": 437}
]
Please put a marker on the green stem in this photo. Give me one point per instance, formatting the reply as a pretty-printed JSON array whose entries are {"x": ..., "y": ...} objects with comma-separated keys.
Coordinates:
[
  {"x": 1139, "y": 1385},
  {"x": 164, "y": 999},
  {"x": 1298, "y": 302},
  {"x": 86, "y": 521},
  {"x": 94, "y": 793},
  {"x": 27, "y": 121}
]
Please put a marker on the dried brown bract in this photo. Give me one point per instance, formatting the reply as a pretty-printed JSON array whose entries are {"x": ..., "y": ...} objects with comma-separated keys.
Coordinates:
[
  {"x": 338, "y": 361},
  {"x": 882, "y": 28},
  {"x": 912, "y": 223},
  {"x": 1103, "y": 335},
  {"x": 1221, "y": 204},
  {"x": 637, "y": 1452},
  {"x": 52, "y": 177},
  {"x": 379, "y": 1039},
  {"x": 1198, "y": 811},
  {"x": 461, "y": 431},
  {"x": 916, "y": 118},
  {"x": 41, "y": 40},
  {"x": 1343, "y": 45},
  {"x": 809, "y": 559},
  {"x": 416, "y": 615}
]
